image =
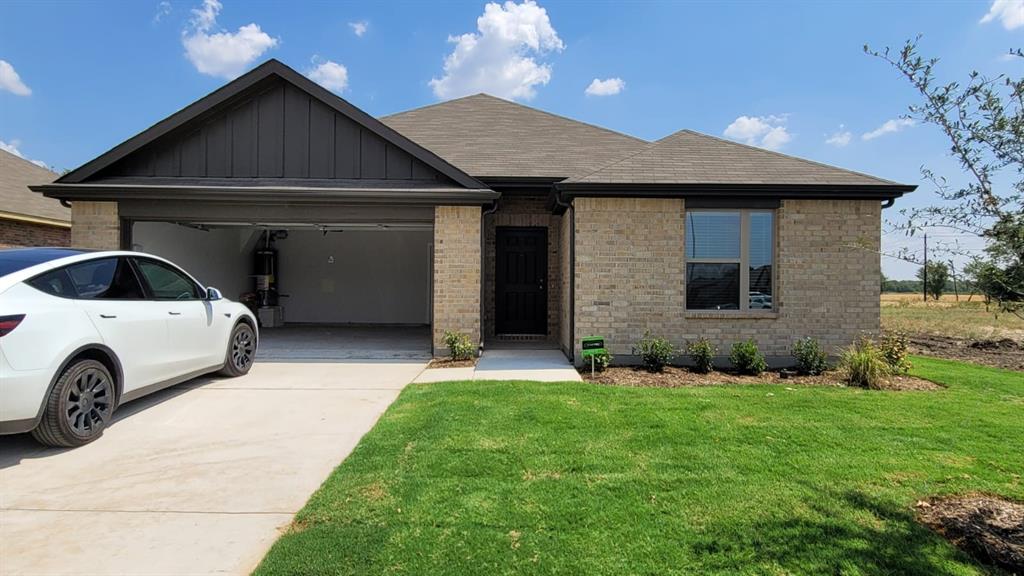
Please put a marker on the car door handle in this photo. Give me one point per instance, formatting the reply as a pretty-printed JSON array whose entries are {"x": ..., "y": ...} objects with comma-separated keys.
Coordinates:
[
  {"x": 108, "y": 315},
  {"x": 174, "y": 313}
]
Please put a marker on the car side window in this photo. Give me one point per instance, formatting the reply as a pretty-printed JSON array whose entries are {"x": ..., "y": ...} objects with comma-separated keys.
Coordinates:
[
  {"x": 55, "y": 283},
  {"x": 167, "y": 283},
  {"x": 105, "y": 279}
]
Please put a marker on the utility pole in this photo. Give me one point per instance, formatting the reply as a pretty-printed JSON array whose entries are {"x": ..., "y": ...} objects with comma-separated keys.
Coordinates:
[
  {"x": 924, "y": 284},
  {"x": 952, "y": 270}
]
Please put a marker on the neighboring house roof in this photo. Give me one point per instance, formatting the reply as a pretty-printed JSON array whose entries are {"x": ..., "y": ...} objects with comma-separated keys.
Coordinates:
[
  {"x": 688, "y": 157},
  {"x": 489, "y": 137},
  {"x": 17, "y": 202}
]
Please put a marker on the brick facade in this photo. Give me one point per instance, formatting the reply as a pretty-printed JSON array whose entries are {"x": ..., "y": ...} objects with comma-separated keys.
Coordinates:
[
  {"x": 16, "y": 233},
  {"x": 95, "y": 225},
  {"x": 630, "y": 276},
  {"x": 525, "y": 211},
  {"x": 456, "y": 301}
]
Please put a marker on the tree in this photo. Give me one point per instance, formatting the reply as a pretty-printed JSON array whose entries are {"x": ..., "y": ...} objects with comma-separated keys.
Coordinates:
[
  {"x": 983, "y": 120},
  {"x": 938, "y": 274}
]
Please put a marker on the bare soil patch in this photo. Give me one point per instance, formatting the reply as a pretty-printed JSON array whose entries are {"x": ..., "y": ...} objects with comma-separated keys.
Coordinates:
[
  {"x": 989, "y": 528},
  {"x": 997, "y": 352},
  {"x": 449, "y": 363},
  {"x": 673, "y": 377}
]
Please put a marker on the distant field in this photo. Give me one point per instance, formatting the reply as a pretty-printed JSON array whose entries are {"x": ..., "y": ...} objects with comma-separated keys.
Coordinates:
[{"x": 947, "y": 317}]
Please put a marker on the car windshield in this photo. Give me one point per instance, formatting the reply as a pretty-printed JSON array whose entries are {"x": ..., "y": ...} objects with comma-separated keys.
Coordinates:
[{"x": 16, "y": 259}]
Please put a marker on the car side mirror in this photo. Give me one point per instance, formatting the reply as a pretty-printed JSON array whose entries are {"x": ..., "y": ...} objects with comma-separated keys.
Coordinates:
[{"x": 213, "y": 294}]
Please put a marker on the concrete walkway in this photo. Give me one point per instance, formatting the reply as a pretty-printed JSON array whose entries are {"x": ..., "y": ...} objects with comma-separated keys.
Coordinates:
[
  {"x": 538, "y": 365},
  {"x": 197, "y": 479}
]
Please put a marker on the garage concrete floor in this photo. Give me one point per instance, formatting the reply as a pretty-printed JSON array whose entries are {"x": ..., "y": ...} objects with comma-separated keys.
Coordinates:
[
  {"x": 197, "y": 479},
  {"x": 319, "y": 342}
]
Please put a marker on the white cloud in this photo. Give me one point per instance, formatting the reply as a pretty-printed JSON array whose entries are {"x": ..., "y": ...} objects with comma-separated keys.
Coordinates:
[
  {"x": 222, "y": 53},
  {"x": 1009, "y": 12},
  {"x": 12, "y": 147},
  {"x": 10, "y": 81},
  {"x": 839, "y": 138},
  {"x": 764, "y": 131},
  {"x": 890, "y": 126},
  {"x": 162, "y": 9},
  {"x": 606, "y": 87},
  {"x": 501, "y": 57},
  {"x": 329, "y": 74},
  {"x": 359, "y": 28}
]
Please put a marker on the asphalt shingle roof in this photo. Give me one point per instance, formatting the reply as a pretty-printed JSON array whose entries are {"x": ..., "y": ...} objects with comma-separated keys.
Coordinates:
[
  {"x": 16, "y": 175},
  {"x": 688, "y": 157},
  {"x": 487, "y": 136}
]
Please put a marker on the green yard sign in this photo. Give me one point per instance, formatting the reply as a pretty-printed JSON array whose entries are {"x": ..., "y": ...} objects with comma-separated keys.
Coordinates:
[{"x": 592, "y": 346}]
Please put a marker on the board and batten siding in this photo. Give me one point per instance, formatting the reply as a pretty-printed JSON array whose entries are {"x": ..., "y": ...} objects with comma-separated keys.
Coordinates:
[{"x": 275, "y": 131}]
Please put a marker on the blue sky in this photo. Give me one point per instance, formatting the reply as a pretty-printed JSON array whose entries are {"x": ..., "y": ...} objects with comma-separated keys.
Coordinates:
[{"x": 786, "y": 75}]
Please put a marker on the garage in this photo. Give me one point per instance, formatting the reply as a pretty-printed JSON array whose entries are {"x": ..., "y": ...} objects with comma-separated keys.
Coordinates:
[{"x": 325, "y": 291}]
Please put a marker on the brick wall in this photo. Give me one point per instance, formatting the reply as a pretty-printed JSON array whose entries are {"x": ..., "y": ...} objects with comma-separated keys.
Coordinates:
[
  {"x": 95, "y": 225},
  {"x": 456, "y": 273},
  {"x": 15, "y": 233},
  {"x": 630, "y": 276},
  {"x": 530, "y": 211},
  {"x": 565, "y": 278}
]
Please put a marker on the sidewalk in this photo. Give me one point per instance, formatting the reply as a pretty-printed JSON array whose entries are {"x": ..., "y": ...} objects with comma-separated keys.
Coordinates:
[{"x": 537, "y": 365}]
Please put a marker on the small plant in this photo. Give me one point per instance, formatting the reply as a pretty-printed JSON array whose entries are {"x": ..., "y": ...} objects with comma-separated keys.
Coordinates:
[
  {"x": 864, "y": 365},
  {"x": 747, "y": 358},
  {"x": 702, "y": 354},
  {"x": 810, "y": 358},
  {"x": 655, "y": 353},
  {"x": 460, "y": 347},
  {"x": 602, "y": 361},
  {"x": 894, "y": 348}
]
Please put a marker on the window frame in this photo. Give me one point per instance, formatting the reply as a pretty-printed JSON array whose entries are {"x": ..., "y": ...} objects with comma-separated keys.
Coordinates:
[{"x": 743, "y": 261}]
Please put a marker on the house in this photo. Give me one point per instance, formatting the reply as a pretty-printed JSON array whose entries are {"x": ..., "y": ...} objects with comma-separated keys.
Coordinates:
[
  {"x": 492, "y": 218},
  {"x": 28, "y": 219}
]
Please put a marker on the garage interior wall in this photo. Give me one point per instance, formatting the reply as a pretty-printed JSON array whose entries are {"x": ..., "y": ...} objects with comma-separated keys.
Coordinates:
[{"x": 217, "y": 257}]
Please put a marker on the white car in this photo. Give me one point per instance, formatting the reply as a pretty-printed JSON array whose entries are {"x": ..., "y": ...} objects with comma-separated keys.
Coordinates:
[{"x": 83, "y": 332}]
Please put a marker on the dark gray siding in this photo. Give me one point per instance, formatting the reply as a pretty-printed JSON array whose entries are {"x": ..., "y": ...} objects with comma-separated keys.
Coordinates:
[{"x": 275, "y": 131}]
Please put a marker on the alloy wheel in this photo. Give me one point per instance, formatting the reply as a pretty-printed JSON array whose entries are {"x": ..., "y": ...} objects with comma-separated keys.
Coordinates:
[
  {"x": 242, "y": 348},
  {"x": 89, "y": 402}
]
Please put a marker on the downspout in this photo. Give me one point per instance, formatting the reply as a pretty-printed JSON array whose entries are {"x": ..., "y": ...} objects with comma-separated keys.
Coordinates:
[
  {"x": 65, "y": 203},
  {"x": 572, "y": 272},
  {"x": 483, "y": 268},
  {"x": 888, "y": 203}
]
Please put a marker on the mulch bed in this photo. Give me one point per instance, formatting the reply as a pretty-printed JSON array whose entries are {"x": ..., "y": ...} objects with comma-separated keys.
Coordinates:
[
  {"x": 673, "y": 377},
  {"x": 989, "y": 528},
  {"x": 449, "y": 363},
  {"x": 999, "y": 353}
]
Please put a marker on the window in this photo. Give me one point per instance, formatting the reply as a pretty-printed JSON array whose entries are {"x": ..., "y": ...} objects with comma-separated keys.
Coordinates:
[
  {"x": 729, "y": 259},
  {"x": 167, "y": 283},
  {"x": 55, "y": 283},
  {"x": 104, "y": 279}
]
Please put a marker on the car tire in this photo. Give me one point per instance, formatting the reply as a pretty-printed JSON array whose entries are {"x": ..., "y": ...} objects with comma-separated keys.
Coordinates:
[
  {"x": 241, "y": 351},
  {"x": 79, "y": 406}
]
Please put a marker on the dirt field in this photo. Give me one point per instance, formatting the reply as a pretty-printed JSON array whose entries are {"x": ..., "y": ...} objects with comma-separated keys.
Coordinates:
[{"x": 962, "y": 330}]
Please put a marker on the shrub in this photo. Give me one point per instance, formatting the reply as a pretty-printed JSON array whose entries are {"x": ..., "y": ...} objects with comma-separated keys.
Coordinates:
[
  {"x": 602, "y": 361},
  {"x": 654, "y": 353},
  {"x": 810, "y": 358},
  {"x": 747, "y": 358},
  {"x": 702, "y": 354},
  {"x": 460, "y": 347},
  {"x": 894, "y": 349},
  {"x": 864, "y": 365}
]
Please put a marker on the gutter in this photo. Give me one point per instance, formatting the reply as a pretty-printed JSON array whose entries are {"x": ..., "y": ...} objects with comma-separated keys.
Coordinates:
[
  {"x": 686, "y": 190},
  {"x": 42, "y": 220}
]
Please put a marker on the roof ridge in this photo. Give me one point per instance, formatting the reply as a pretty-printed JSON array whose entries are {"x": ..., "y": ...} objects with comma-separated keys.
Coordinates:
[
  {"x": 28, "y": 162},
  {"x": 649, "y": 146},
  {"x": 434, "y": 105},
  {"x": 775, "y": 153}
]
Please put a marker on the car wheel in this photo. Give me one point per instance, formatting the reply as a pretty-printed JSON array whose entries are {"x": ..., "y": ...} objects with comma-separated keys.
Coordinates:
[
  {"x": 79, "y": 406},
  {"x": 241, "y": 351}
]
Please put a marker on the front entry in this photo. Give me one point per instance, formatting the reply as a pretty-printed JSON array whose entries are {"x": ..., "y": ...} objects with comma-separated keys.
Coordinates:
[{"x": 521, "y": 278}]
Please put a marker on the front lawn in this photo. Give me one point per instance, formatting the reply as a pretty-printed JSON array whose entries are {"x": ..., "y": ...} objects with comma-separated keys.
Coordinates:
[{"x": 534, "y": 478}]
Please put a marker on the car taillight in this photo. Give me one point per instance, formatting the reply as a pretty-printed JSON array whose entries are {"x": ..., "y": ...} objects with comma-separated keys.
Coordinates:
[{"x": 8, "y": 323}]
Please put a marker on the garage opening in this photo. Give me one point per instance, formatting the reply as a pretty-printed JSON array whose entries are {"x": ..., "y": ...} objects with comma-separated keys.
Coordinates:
[{"x": 321, "y": 291}]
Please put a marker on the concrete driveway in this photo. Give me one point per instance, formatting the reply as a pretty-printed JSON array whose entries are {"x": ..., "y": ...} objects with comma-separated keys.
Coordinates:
[{"x": 197, "y": 479}]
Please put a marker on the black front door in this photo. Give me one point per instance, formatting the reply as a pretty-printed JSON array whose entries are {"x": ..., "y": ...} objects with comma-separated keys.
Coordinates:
[{"x": 521, "y": 278}]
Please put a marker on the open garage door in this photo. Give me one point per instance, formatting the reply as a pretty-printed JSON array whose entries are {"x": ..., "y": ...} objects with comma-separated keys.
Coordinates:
[{"x": 339, "y": 290}]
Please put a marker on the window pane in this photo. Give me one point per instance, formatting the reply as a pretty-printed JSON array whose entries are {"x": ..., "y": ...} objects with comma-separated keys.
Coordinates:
[
  {"x": 712, "y": 286},
  {"x": 55, "y": 283},
  {"x": 167, "y": 283},
  {"x": 713, "y": 235},
  {"x": 105, "y": 279},
  {"x": 760, "y": 260}
]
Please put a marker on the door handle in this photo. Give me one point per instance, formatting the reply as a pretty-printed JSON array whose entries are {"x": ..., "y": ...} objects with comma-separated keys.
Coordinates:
[
  {"x": 174, "y": 313},
  {"x": 108, "y": 315}
]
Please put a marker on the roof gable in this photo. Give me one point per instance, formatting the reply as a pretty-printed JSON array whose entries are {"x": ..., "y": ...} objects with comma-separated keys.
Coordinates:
[
  {"x": 272, "y": 122},
  {"x": 489, "y": 137},
  {"x": 688, "y": 157}
]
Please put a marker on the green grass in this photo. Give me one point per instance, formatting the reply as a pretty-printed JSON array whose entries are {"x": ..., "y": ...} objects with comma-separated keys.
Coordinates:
[{"x": 533, "y": 478}]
